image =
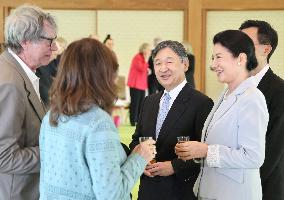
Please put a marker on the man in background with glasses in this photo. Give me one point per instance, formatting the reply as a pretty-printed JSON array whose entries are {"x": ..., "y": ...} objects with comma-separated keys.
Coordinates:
[
  {"x": 29, "y": 36},
  {"x": 272, "y": 86},
  {"x": 47, "y": 73}
]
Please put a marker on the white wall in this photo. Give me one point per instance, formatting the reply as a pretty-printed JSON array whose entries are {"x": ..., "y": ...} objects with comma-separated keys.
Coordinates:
[{"x": 74, "y": 24}]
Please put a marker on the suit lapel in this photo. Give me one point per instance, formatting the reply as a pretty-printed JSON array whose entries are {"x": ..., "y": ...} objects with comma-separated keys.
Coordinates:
[
  {"x": 154, "y": 113},
  {"x": 176, "y": 111},
  {"x": 264, "y": 85},
  {"x": 31, "y": 93},
  {"x": 207, "y": 123},
  {"x": 224, "y": 105},
  {"x": 36, "y": 103}
]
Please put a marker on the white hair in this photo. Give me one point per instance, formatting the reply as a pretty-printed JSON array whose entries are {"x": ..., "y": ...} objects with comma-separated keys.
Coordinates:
[{"x": 26, "y": 23}]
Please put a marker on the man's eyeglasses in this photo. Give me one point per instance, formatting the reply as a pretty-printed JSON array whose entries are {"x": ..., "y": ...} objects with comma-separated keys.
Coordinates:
[{"x": 51, "y": 40}]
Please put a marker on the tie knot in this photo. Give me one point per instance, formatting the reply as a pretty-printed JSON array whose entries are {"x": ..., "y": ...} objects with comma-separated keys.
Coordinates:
[{"x": 167, "y": 96}]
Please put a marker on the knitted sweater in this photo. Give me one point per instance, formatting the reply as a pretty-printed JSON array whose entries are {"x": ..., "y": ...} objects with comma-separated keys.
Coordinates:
[{"x": 82, "y": 159}]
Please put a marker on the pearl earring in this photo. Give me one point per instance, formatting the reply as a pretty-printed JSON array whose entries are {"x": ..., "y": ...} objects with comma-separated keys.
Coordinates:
[{"x": 239, "y": 63}]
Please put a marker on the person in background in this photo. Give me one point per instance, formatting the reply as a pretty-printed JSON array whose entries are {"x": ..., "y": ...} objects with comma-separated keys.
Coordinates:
[
  {"x": 61, "y": 44},
  {"x": 153, "y": 85},
  {"x": 233, "y": 138},
  {"x": 29, "y": 36},
  {"x": 108, "y": 41},
  {"x": 137, "y": 81},
  {"x": 81, "y": 154},
  {"x": 272, "y": 86},
  {"x": 47, "y": 73},
  {"x": 189, "y": 74},
  {"x": 170, "y": 178}
]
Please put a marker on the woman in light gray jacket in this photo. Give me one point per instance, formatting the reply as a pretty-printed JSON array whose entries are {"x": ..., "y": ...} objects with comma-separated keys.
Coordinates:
[{"x": 233, "y": 140}]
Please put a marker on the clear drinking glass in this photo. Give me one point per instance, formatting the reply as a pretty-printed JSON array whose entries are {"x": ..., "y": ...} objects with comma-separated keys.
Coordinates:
[
  {"x": 143, "y": 139},
  {"x": 182, "y": 139}
]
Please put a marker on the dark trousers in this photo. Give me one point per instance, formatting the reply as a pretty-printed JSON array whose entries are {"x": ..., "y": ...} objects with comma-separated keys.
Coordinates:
[
  {"x": 137, "y": 97},
  {"x": 165, "y": 188}
]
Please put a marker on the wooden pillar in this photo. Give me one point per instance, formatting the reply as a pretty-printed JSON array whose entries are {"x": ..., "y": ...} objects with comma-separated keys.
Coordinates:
[{"x": 195, "y": 35}]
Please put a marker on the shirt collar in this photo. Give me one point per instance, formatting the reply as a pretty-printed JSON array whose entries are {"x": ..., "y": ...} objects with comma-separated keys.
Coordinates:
[
  {"x": 174, "y": 92},
  {"x": 260, "y": 74},
  {"x": 31, "y": 74}
]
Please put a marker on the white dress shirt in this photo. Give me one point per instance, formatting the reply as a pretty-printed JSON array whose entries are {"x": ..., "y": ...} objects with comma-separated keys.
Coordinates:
[
  {"x": 173, "y": 93},
  {"x": 31, "y": 74},
  {"x": 260, "y": 74}
]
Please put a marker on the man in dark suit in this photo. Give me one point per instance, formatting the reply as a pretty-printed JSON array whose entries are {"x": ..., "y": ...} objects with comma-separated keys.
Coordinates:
[
  {"x": 46, "y": 75},
  {"x": 48, "y": 72},
  {"x": 170, "y": 178},
  {"x": 272, "y": 86},
  {"x": 29, "y": 34}
]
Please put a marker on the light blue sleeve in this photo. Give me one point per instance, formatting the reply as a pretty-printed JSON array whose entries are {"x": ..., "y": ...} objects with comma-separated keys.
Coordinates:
[
  {"x": 251, "y": 130},
  {"x": 42, "y": 153},
  {"x": 113, "y": 175}
]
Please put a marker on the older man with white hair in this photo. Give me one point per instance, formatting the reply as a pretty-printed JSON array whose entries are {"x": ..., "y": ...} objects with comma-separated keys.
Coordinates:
[{"x": 29, "y": 36}]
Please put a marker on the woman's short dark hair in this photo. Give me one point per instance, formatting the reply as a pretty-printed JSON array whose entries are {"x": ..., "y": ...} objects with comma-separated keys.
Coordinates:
[
  {"x": 85, "y": 77},
  {"x": 238, "y": 42}
]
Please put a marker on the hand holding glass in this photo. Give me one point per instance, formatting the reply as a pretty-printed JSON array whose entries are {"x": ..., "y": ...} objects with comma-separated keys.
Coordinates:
[
  {"x": 143, "y": 139},
  {"x": 182, "y": 139}
]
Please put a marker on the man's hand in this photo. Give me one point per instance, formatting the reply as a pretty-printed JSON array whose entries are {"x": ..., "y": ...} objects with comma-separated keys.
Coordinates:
[{"x": 159, "y": 169}]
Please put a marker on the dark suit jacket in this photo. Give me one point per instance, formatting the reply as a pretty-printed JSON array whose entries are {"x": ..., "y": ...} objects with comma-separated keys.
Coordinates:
[
  {"x": 272, "y": 171},
  {"x": 46, "y": 75},
  {"x": 189, "y": 74},
  {"x": 186, "y": 117},
  {"x": 21, "y": 113},
  {"x": 153, "y": 85}
]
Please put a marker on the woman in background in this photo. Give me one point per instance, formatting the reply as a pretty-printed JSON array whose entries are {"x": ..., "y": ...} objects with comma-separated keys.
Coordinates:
[
  {"x": 233, "y": 137},
  {"x": 108, "y": 41},
  {"x": 81, "y": 154},
  {"x": 137, "y": 81}
]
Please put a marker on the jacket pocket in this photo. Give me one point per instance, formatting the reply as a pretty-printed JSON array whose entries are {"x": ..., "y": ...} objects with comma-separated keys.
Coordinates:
[{"x": 235, "y": 174}]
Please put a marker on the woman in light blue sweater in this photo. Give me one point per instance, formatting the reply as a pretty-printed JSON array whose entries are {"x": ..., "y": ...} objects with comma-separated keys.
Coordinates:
[{"x": 81, "y": 154}]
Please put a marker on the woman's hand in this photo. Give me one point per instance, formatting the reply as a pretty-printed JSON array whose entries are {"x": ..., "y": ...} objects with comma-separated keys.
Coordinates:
[
  {"x": 146, "y": 149},
  {"x": 190, "y": 150}
]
